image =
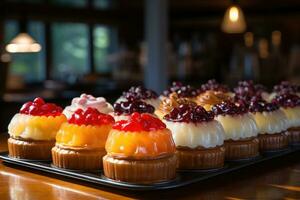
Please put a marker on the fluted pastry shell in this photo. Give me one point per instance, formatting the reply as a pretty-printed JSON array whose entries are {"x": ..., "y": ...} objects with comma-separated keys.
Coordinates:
[
  {"x": 294, "y": 135},
  {"x": 77, "y": 158},
  {"x": 273, "y": 142},
  {"x": 200, "y": 158},
  {"x": 241, "y": 149},
  {"x": 140, "y": 171},
  {"x": 30, "y": 149}
]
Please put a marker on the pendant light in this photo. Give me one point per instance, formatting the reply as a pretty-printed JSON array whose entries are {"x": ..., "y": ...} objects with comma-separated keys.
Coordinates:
[
  {"x": 23, "y": 42},
  {"x": 234, "y": 20}
]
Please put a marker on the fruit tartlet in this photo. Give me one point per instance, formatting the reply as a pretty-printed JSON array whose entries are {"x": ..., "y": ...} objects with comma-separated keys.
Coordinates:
[
  {"x": 86, "y": 101},
  {"x": 170, "y": 102},
  {"x": 123, "y": 109},
  {"x": 290, "y": 105},
  {"x": 140, "y": 93},
  {"x": 210, "y": 98},
  {"x": 32, "y": 131},
  {"x": 241, "y": 131},
  {"x": 140, "y": 150},
  {"x": 198, "y": 137},
  {"x": 80, "y": 142},
  {"x": 183, "y": 91},
  {"x": 271, "y": 123}
]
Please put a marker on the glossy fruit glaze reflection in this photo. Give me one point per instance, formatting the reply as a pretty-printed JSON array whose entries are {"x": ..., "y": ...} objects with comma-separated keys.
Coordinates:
[
  {"x": 257, "y": 104},
  {"x": 228, "y": 108},
  {"x": 286, "y": 87},
  {"x": 90, "y": 117},
  {"x": 140, "y": 122},
  {"x": 214, "y": 86},
  {"x": 181, "y": 90},
  {"x": 189, "y": 113},
  {"x": 39, "y": 108},
  {"x": 131, "y": 106},
  {"x": 139, "y": 92},
  {"x": 287, "y": 100}
]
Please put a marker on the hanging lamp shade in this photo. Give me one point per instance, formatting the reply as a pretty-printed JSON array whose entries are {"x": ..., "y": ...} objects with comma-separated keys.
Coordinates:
[
  {"x": 234, "y": 20},
  {"x": 23, "y": 43}
]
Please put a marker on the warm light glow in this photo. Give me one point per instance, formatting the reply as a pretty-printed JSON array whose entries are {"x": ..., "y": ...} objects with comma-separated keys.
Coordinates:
[
  {"x": 276, "y": 38},
  {"x": 233, "y": 14},
  {"x": 234, "y": 21},
  {"x": 249, "y": 39},
  {"x": 23, "y": 43}
]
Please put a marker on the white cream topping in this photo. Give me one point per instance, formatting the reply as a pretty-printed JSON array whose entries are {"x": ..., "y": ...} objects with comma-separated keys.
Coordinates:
[
  {"x": 205, "y": 134},
  {"x": 293, "y": 116},
  {"x": 238, "y": 126},
  {"x": 85, "y": 101},
  {"x": 270, "y": 122}
]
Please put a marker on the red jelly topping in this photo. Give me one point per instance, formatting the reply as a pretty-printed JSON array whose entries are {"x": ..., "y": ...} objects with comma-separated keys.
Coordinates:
[
  {"x": 287, "y": 100},
  {"x": 39, "y": 108},
  {"x": 131, "y": 106},
  {"x": 181, "y": 90},
  {"x": 286, "y": 87},
  {"x": 257, "y": 104},
  {"x": 138, "y": 93},
  {"x": 90, "y": 117},
  {"x": 189, "y": 113},
  {"x": 215, "y": 86},
  {"x": 228, "y": 108},
  {"x": 140, "y": 122}
]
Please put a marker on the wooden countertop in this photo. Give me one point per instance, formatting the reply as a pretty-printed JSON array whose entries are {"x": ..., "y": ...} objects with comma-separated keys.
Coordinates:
[{"x": 277, "y": 179}]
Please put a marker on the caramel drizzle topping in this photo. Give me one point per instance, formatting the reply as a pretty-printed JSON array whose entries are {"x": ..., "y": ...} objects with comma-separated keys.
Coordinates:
[
  {"x": 173, "y": 101},
  {"x": 211, "y": 98}
]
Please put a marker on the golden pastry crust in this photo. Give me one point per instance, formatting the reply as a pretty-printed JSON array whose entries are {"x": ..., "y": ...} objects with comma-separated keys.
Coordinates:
[
  {"x": 77, "y": 158},
  {"x": 273, "y": 142},
  {"x": 140, "y": 171},
  {"x": 30, "y": 149},
  {"x": 200, "y": 158},
  {"x": 241, "y": 149}
]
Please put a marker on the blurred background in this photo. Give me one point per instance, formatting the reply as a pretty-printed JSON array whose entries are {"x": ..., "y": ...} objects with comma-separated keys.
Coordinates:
[{"x": 58, "y": 49}]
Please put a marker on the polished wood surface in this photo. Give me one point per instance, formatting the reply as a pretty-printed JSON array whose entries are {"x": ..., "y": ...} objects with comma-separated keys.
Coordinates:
[{"x": 277, "y": 179}]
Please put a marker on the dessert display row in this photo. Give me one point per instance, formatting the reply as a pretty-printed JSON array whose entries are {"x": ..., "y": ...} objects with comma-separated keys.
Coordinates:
[{"x": 145, "y": 138}]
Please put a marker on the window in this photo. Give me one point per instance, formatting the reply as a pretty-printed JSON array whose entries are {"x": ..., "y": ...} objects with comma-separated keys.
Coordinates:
[
  {"x": 30, "y": 66},
  {"x": 104, "y": 4},
  {"x": 70, "y": 50},
  {"x": 105, "y": 41}
]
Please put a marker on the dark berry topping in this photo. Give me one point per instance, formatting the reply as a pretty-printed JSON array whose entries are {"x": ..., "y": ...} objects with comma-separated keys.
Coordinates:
[
  {"x": 189, "y": 113},
  {"x": 247, "y": 89},
  {"x": 181, "y": 90},
  {"x": 257, "y": 104},
  {"x": 287, "y": 100},
  {"x": 90, "y": 117},
  {"x": 228, "y": 108},
  {"x": 138, "y": 93},
  {"x": 131, "y": 106},
  {"x": 39, "y": 108},
  {"x": 214, "y": 86},
  {"x": 286, "y": 87},
  {"x": 140, "y": 122}
]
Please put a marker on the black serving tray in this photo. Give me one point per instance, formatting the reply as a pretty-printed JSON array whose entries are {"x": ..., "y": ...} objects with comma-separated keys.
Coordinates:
[{"x": 184, "y": 177}]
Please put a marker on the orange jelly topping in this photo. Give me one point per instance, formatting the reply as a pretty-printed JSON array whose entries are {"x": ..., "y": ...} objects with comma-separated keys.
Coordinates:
[{"x": 141, "y": 137}]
